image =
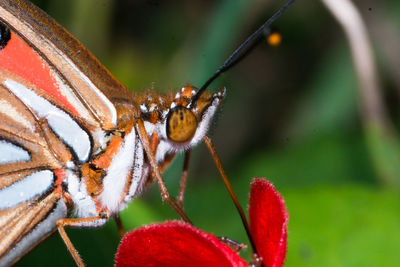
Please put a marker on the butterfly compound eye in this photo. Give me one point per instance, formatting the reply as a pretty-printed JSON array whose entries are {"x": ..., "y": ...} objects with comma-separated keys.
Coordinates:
[{"x": 181, "y": 124}]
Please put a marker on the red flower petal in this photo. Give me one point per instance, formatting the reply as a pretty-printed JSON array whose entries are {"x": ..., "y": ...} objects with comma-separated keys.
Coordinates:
[
  {"x": 174, "y": 244},
  {"x": 268, "y": 222}
]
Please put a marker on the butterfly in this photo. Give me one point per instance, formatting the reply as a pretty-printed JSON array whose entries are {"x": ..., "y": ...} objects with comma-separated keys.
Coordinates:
[{"x": 75, "y": 145}]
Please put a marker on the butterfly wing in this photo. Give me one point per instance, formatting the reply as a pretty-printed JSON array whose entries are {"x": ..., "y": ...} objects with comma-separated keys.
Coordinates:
[
  {"x": 27, "y": 224},
  {"x": 55, "y": 108},
  {"x": 32, "y": 159}
]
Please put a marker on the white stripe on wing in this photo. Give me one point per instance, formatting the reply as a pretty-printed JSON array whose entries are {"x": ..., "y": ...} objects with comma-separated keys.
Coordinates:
[
  {"x": 59, "y": 121},
  {"x": 10, "y": 153},
  {"x": 26, "y": 189}
]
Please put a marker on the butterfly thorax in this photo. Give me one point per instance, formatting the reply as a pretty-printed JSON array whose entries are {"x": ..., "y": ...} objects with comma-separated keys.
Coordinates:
[{"x": 119, "y": 172}]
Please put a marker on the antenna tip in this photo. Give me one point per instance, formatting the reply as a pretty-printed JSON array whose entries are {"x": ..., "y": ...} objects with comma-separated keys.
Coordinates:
[{"x": 274, "y": 38}]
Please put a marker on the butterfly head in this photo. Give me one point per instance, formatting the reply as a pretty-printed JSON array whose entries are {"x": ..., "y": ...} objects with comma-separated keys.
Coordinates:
[
  {"x": 186, "y": 124},
  {"x": 177, "y": 120}
]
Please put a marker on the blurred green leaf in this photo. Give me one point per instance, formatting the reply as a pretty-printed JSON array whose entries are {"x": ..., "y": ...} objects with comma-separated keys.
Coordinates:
[
  {"x": 137, "y": 214},
  {"x": 325, "y": 159},
  {"x": 351, "y": 225}
]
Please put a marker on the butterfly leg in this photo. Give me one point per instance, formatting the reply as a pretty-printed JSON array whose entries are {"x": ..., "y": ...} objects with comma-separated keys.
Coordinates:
[
  {"x": 163, "y": 189},
  {"x": 182, "y": 185},
  {"x": 229, "y": 187},
  {"x": 77, "y": 222},
  {"x": 237, "y": 246},
  {"x": 120, "y": 226},
  {"x": 162, "y": 167}
]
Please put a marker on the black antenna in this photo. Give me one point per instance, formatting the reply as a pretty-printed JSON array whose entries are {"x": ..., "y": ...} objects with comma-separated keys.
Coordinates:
[{"x": 243, "y": 50}]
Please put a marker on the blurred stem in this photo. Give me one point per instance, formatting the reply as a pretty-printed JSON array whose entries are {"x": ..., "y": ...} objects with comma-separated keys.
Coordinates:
[{"x": 382, "y": 141}]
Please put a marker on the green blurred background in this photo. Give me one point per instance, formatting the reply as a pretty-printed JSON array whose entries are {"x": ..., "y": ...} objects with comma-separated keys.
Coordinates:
[{"x": 291, "y": 114}]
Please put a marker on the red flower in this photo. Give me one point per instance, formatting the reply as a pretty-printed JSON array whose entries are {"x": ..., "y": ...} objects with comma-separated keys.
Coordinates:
[
  {"x": 180, "y": 244},
  {"x": 268, "y": 222},
  {"x": 174, "y": 244}
]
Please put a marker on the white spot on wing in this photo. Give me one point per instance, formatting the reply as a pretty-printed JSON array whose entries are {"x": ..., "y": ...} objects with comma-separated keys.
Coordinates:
[
  {"x": 26, "y": 189},
  {"x": 59, "y": 121},
  {"x": 71, "y": 133},
  {"x": 12, "y": 153}
]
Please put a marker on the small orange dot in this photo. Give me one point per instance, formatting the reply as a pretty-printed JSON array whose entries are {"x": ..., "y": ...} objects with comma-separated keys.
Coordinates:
[{"x": 274, "y": 39}]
